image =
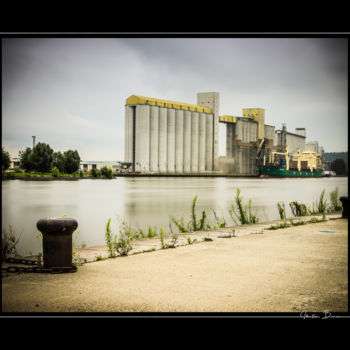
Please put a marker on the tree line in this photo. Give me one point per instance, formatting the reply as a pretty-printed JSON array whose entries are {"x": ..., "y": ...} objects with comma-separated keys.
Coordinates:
[{"x": 42, "y": 158}]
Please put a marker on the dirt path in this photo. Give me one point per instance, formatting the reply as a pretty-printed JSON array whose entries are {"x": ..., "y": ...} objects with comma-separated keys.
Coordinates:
[{"x": 288, "y": 270}]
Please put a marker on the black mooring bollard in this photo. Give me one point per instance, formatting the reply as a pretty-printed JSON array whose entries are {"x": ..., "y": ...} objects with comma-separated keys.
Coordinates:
[
  {"x": 57, "y": 241},
  {"x": 344, "y": 202}
]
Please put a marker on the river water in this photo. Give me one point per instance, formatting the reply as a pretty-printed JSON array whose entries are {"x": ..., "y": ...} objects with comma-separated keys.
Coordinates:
[{"x": 145, "y": 201}]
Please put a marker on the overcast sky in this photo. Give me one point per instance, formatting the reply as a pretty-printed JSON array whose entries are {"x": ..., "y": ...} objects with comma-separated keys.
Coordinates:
[{"x": 71, "y": 92}]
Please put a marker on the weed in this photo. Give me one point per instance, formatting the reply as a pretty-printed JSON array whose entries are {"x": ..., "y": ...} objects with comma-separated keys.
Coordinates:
[
  {"x": 281, "y": 210},
  {"x": 161, "y": 236},
  {"x": 189, "y": 240},
  {"x": 298, "y": 209},
  {"x": 208, "y": 239},
  {"x": 335, "y": 205},
  {"x": 111, "y": 240},
  {"x": 151, "y": 233},
  {"x": 276, "y": 227},
  {"x": 220, "y": 222},
  {"x": 242, "y": 213},
  {"x": 194, "y": 219},
  {"x": 322, "y": 205},
  {"x": 181, "y": 225},
  {"x": 8, "y": 243},
  {"x": 99, "y": 257}
]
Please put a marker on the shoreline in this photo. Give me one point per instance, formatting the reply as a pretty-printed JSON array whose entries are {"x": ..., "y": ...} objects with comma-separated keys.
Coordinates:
[
  {"x": 146, "y": 245},
  {"x": 76, "y": 178},
  {"x": 301, "y": 270}
]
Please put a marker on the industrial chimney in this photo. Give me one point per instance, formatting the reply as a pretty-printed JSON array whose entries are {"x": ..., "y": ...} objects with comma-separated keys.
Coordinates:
[{"x": 33, "y": 141}]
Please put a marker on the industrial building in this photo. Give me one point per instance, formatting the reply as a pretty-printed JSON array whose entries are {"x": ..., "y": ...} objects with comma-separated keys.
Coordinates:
[
  {"x": 246, "y": 137},
  {"x": 172, "y": 137},
  {"x": 168, "y": 137}
]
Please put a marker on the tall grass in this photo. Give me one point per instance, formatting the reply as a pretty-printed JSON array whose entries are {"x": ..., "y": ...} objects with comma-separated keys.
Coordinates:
[
  {"x": 9, "y": 242},
  {"x": 111, "y": 240},
  {"x": 242, "y": 213},
  {"x": 281, "y": 210},
  {"x": 193, "y": 224},
  {"x": 335, "y": 204}
]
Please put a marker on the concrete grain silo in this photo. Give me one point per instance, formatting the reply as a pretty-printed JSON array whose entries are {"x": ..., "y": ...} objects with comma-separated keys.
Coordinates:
[{"x": 172, "y": 137}]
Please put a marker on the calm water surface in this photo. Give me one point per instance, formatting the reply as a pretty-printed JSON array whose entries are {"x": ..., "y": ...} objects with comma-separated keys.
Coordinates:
[{"x": 145, "y": 201}]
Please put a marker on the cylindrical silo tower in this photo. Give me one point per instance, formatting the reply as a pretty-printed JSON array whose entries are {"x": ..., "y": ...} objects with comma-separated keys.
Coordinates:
[
  {"x": 187, "y": 141},
  {"x": 162, "y": 140},
  {"x": 201, "y": 142},
  {"x": 194, "y": 142},
  {"x": 142, "y": 137},
  {"x": 209, "y": 142},
  {"x": 179, "y": 137},
  {"x": 154, "y": 131},
  {"x": 171, "y": 141}
]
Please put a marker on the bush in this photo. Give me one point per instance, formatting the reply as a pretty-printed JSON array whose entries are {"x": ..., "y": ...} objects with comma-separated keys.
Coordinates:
[
  {"x": 55, "y": 172},
  {"x": 95, "y": 172},
  {"x": 5, "y": 160},
  {"x": 106, "y": 172}
]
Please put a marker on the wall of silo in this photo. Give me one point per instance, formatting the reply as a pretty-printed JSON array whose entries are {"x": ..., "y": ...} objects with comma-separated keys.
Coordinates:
[
  {"x": 201, "y": 142},
  {"x": 194, "y": 141},
  {"x": 179, "y": 141},
  {"x": 162, "y": 140},
  {"x": 209, "y": 142},
  {"x": 129, "y": 111},
  {"x": 154, "y": 134},
  {"x": 142, "y": 138},
  {"x": 187, "y": 141},
  {"x": 171, "y": 141}
]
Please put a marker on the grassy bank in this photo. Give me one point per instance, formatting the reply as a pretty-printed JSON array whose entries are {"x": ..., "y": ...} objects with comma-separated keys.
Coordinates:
[{"x": 45, "y": 176}]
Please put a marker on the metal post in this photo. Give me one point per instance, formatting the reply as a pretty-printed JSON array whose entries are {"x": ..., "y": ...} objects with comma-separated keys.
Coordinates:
[
  {"x": 344, "y": 202},
  {"x": 57, "y": 241}
]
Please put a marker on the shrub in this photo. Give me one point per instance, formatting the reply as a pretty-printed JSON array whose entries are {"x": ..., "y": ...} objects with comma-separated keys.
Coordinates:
[
  {"x": 95, "y": 172},
  {"x": 55, "y": 172},
  {"x": 106, "y": 172},
  {"x": 123, "y": 245},
  {"x": 8, "y": 243}
]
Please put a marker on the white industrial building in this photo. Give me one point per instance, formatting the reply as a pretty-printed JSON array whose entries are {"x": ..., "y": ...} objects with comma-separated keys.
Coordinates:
[{"x": 172, "y": 137}]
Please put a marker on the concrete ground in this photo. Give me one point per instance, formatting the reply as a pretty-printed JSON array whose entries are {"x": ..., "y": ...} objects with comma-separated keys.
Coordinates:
[{"x": 295, "y": 269}]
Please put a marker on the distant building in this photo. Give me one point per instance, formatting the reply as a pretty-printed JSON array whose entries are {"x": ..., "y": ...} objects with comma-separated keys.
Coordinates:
[
  {"x": 87, "y": 166},
  {"x": 14, "y": 164}
]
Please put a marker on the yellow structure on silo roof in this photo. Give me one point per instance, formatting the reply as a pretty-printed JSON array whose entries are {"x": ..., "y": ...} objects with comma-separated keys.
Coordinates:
[
  {"x": 228, "y": 119},
  {"x": 141, "y": 100},
  {"x": 258, "y": 114}
]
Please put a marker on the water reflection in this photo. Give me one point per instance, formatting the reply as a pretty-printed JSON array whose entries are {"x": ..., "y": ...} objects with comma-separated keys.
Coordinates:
[{"x": 145, "y": 201}]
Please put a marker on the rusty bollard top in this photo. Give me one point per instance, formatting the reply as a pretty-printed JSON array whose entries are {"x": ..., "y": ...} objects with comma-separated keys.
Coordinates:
[{"x": 57, "y": 226}]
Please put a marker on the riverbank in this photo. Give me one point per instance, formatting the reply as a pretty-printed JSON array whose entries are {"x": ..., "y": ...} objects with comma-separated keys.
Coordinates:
[{"x": 296, "y": 269}]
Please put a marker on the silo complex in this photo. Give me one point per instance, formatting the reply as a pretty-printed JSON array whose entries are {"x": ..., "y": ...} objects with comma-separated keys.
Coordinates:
[{"x": 170, "y": 137}]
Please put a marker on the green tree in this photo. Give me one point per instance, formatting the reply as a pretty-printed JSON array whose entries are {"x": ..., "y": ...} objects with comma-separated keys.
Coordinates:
[
  {"x": 106, "y": 172},
  {"x": 5, "y": 159},
  {"x": 338, "y": 165},
  {"x": 95, "y": 172},
  {"x": 42, "y": 157},
  {"x": 25, "y": 159},
  {"x": 71, "y": 161},
  {"x": 55, "y": 172},
  {"x": 58, "y": 161}
]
